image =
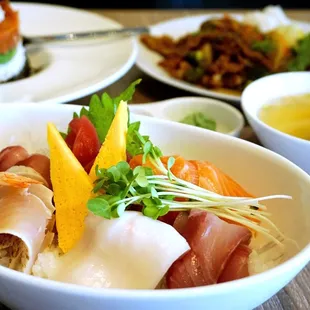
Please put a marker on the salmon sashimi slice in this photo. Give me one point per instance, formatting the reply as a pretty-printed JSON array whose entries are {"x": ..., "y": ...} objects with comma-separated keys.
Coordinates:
[
  {"x": 215, "y": 180},
  {"x": 9, "y": 28},
  {"x": 137, "y": 161},
  {"x": 213, "y": 242},
  {"x": 183, "y": 169},
  {"x": 198, "y": 172},
  {"x": 238, "y": 265}
]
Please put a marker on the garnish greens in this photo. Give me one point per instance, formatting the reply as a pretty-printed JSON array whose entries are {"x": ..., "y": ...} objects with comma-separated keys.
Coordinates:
[
  {"x": 120, "y": 186},
  {"x": 301, "y": 61},
  {"x": 4, "y": 58},
  {"x": 102, "y": 110},
  {"x": 199, "y": 120},
  {"x": 265, "y": 46}
]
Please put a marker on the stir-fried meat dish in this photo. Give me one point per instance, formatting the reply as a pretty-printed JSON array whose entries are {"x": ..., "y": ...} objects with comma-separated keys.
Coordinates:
[{"x": 223, "y": 53}]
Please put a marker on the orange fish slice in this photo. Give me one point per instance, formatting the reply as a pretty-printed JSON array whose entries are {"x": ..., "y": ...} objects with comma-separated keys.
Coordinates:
[
  {"x": 215, "y": 180},
  {"x": 199, "y": 172}
]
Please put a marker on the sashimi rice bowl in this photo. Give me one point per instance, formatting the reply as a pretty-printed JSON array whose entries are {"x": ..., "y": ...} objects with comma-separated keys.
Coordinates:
[{"x": 104, "y": 209}]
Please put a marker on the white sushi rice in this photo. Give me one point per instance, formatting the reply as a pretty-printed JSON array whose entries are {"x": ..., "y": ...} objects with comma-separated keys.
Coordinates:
[{"x": 15, "y": 65}]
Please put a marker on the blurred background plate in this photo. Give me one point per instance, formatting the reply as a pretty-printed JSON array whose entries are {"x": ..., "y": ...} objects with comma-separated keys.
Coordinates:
[
  {"x": 147, "y": 60},
  {"x": 65, "y": 71}
]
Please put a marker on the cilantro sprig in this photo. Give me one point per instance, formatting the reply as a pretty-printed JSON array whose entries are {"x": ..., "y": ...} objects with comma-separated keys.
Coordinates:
[{"x": 120, "y": 186}]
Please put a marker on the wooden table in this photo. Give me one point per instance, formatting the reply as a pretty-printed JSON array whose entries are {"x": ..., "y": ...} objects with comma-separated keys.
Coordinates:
[{"x": 296, "y": 295}]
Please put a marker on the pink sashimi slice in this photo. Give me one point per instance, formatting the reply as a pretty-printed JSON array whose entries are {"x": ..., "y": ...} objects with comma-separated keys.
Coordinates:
[
  {"x": 237, "y": 266},
  {"x": 212, "y": 242},
  {"x": 180, "y": 222}
]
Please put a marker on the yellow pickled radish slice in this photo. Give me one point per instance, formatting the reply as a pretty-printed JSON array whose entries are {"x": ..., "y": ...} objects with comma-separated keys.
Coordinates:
[
  {"x": 72, "y": 188},
  {"x": 113, "y": 149}
]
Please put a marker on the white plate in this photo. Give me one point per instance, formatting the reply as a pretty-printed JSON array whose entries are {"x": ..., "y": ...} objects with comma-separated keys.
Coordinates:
[
  {"x": 147, "y": 60},
  {"x": 72, "y": 71}
]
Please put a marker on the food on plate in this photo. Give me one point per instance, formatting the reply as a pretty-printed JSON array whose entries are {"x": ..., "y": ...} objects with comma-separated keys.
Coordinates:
[
  {"x": 289, "y": 114},
  {"x": 13, "y": 59},
  {"x": 226, "y": 53},
  {"x": 199, "y": 119},
  {"x": 121, "y": 214}
]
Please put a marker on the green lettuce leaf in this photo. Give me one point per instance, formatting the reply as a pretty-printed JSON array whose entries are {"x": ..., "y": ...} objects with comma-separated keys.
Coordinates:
[{"x": 101, "y": 111}]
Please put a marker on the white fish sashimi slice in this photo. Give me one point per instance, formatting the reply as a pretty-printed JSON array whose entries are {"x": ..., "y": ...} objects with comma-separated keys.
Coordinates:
[
  {"x": 132, "y": 252},
  {"x": 44, "y": 193},
  {"x": 40, "y": 190},
  {"x": 25, "y": 217},
  {"x": 8, "y": 190},
  {"x": 23, "y": 220}
]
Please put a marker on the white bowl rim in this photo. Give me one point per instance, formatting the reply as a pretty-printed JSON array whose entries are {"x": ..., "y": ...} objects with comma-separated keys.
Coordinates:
[
  {"x": 245, "y": 103},
  {"x": 301, "y": 258}
]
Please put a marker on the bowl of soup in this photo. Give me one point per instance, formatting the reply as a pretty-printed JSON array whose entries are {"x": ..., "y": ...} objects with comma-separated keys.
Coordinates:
[{"x": 278, "y": 109}]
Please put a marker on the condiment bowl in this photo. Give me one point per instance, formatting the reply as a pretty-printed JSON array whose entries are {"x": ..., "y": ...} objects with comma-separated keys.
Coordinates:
[
  {"x": 259, "y": 170},
  {"x": 265, "y": 90},
  {"x": 229, "y": 120}
]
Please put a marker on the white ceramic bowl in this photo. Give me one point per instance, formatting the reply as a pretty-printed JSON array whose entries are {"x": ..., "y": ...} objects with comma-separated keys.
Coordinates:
[
  {"x": 229, "y": 119},
  {"x": 261, "y": 171},
  {"x": 261, "y": 92}
]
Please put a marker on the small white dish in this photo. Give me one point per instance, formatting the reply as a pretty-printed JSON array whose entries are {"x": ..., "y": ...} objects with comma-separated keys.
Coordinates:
[
  {"x": 147, "y": 60},
  {"x": 229, "y": 120},
  {"x": 67, "y": 71},
  {"x": 262, "y": 92},
  {"x": 261, "y": 171}
]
